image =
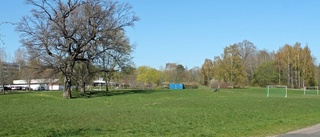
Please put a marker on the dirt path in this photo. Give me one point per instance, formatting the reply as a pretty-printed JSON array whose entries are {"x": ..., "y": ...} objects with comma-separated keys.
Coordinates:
[{"x": 312, "y": 131}]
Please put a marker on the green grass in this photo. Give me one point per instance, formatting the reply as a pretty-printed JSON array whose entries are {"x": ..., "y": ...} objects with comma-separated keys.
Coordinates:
[{"x": 202, "y": 112}]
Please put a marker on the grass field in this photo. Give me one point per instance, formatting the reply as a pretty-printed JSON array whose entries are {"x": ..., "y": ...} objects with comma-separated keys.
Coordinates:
[{"x": 202, "y": 112}]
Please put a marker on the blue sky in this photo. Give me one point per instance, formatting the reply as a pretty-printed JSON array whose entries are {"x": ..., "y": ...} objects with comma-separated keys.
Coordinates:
[{"x": 188, "y": 31}]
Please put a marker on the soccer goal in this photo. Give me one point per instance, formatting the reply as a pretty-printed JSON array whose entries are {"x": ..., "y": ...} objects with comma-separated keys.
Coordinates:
[
  {"x": 310, "y": 90},
  {"x": 277, "y": 91}
]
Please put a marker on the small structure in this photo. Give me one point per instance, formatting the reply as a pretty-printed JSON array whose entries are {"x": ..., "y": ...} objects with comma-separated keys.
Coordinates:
[
  {"x": 99, "y": 82},
  {"x": 176, "y": 86},
  {"x": 102, "y": 82}
]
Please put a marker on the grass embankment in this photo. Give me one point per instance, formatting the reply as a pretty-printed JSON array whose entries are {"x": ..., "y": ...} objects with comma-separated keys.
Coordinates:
[{"x": 202, "y": 112}]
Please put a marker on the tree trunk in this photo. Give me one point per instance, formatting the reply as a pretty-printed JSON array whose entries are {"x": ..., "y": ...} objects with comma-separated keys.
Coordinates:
[
  {"x": 231, "y": 72},
  {"x": 292, "y": 75},
  {"x": 106, "y": 80},
  {"x": 299, "y": 78},
  {"x": 67, "y": 88},
  {"x": 288, "y": 73},
  {"x": 279, "y": 74},
  {"x": 82, "y": 87},
  {"x": 67, "y": 81},
  {"x": 4, "y": 91},
  {"x": 107, "y": 87},
  {"x": 299, "y": 71},
  {"x": 29, "y": 85}
]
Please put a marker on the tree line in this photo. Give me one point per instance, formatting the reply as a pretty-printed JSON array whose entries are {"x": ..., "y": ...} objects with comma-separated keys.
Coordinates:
[
  {"x": 171, "y": 73},
  {"x": 242, "y": 64}
]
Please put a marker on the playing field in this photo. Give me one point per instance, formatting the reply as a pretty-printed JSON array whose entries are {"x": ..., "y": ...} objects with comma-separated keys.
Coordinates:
[{"x": 202, "y": 112}]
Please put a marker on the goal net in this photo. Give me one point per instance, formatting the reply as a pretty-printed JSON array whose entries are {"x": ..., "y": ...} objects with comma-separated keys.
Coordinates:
[
  {"x": 277, "y": 91},
  {"x": 310, "y": 90}
]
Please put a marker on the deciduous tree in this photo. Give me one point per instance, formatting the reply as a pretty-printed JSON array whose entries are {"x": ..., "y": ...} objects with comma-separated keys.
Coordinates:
[
  {"x": 194, "y": 75},
  {"x": 207, "y": 71},
  {"x": 148, "y": 75},
  {"x": 266, "y": 74},
  {"x": 296, "y": 65},
  {"x": 64, "y": 32},
  {"x": 2, "y": 74},
  {"x": 232, "y": 66},
  {"x": 180, "y": 73},
  {"x": 114, "y": 59},
  {"x": 248, "y": 53}
]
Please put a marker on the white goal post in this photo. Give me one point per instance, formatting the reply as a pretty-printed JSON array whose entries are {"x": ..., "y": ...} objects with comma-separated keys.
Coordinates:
[
  {"x": 307, "y": 89},
  {"x": 277, "y": 89}
]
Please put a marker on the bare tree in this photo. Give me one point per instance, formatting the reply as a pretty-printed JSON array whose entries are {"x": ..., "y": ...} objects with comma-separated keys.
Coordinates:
[
  {"x": 3, "y": 54},
  {"x": 194, "y": 75},
  {"x": 207, "y": 71},
  {"x": 115, "y": 59},
  {"x": 33, "y": 70},
  {"x": 2, "y": 75},
  {"x": 63, "y": 32},
  {"x": 84, "y": 72},
  {"x": 8, "y": 71},
  {"x": 20, "y": 56},
  {"x": 5, "y": 22},
  {"x": 248, "y": 52}
]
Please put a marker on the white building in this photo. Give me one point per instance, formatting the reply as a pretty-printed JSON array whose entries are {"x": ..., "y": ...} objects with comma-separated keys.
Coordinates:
[{"x": 39, "y": 84}]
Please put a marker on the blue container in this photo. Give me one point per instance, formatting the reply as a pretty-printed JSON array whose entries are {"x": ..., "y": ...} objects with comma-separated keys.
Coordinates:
[{"x": 176, "y": 86}]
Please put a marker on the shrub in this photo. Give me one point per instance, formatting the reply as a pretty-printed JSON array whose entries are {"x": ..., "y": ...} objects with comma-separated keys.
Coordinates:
[
  {"x": 219, "y": 84},
  {"x": 191, "y": 85}
]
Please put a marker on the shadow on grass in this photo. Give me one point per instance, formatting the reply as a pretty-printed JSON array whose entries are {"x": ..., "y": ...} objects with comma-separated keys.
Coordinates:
[{"x": 92, "y": 94}]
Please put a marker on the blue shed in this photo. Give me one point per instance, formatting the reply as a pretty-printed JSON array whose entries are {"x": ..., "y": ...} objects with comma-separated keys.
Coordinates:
[{"x": 176, "y": 86}]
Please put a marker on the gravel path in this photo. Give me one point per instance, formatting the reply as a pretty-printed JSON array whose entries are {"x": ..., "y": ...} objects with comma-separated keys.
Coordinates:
[{"x": 313, "y": 131}]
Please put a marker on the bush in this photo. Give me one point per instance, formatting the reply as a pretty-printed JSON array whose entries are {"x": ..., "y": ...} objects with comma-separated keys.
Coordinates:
[
  {"x": 219, "y": 84},
  {"x": 191, "y": 85},
  {"x": 164, "y": 85}
]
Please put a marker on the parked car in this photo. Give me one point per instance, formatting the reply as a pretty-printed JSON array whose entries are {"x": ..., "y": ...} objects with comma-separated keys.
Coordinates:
[
  {"x": 39, "y": 88},
  {"x": 42, "y": 88},
  {"x": 5, "y": 88},
  {"x": 16, "y": 88},
  {"x": 25, "y": 88}
]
